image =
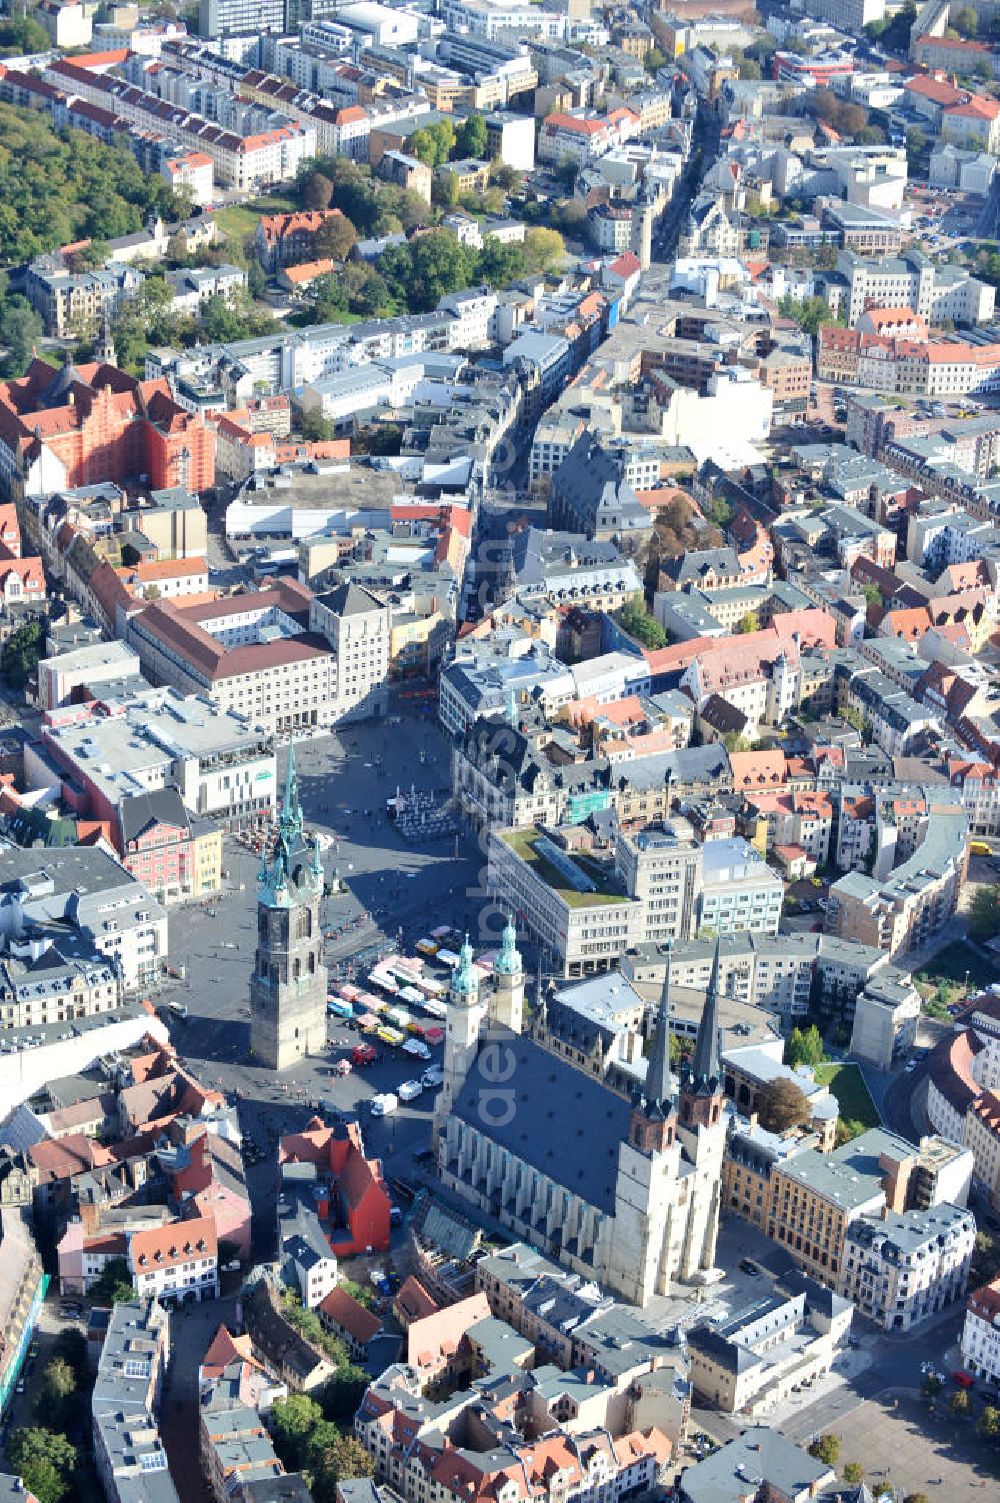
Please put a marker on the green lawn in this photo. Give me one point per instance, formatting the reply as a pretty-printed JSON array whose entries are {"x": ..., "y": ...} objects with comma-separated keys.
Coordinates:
[
  {"x": 848, "y": 1085},
  {"x": 523, "y": 842},
  {"x": 238, "y": 220}
]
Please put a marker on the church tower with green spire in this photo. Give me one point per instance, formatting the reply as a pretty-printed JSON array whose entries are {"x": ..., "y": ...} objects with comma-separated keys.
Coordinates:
[
  {"x": 288, "y": 984},
  {"x": 507, "y": 1004}
]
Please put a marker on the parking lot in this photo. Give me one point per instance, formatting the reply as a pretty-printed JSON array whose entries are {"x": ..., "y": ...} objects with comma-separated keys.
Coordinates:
[{"x": 396, "y": 890}]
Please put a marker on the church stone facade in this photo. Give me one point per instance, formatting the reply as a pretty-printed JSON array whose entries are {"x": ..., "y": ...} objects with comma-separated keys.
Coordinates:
[
  {"x": 627, "y": 1193},
  {"x": 288, "y": 985}
]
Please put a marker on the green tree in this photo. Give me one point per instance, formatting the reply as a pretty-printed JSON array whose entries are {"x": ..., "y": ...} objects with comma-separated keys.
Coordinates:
[
  {"x": 20, "y": 654},
  {"x": 20, "y": 331},
  {"x": 805, "y": 1048},
  {"x": 22, "y": 35},
  {"x": 432, "y": 144},
  {"x": 292, "y": 1422},
  {"x": 316, "y": 190},
  {"x": 336, "y": 238},
  {"x": 337, "y": 1458},
  {"x": 810, "y": 313},
  {"x": 57, "y": 1399},
  {"x": 471, "y": 137},
  {"x": 989, "y": 1423},
  {"x": 826, "y": 1448},
  {"x": 565, "y": 171},
  {"x": 965, "y": 21},
  {"x": 916, "y": 143},
  {"x": 854, "y": 1473},
  {"x": 343, "y": 1393},
  {"x": 750, "y": 68},
  {"x": 961, "y": 1404},
  {"x": 543, "y": 248},
  {"x": 314, "y": 427},
  {"x": 654, "y": 60},
  {"x": 636, "y": 620},
  {"x": 114, "y": 1285},
  {"x": 327, "y": 298},
  {"x": 750, "y": 622},
  {"x": 984, "y": 913},
  {"x": 781, "y": 1104},
  {"x": 499, "y": 264},
  {"x": 44, "y": 1460},
  {"x": 916, "y": 1498},
  {"x": 444, "y": 190}
]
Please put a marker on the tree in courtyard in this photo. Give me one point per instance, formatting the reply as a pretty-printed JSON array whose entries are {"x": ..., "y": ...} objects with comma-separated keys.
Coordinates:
[
  {"x": 805, "y": 1048},
  {"x": 750, "y": 622},
  {"x": 780, "y": 1105},
  {"x": 292, "y": 1423},
  {"x": 114, "y": 1284},
  {"x": 57, "y": 1397},
  {"x": 637, "y": 621},
  {"x": 826, "y": 1448},
  {"x": 931, "y": 1386},
  {"x": 854, "y": 1473},
  {"x": 342, "y": 1393},
  {"x": 984, "y": 914},
  {"x": 20, "y": 654},
  {"x": 44, "y": 1461}
]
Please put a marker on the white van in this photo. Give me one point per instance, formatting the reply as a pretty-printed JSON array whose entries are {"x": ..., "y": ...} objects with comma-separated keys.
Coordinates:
[{"x": 385, "y": 1105}]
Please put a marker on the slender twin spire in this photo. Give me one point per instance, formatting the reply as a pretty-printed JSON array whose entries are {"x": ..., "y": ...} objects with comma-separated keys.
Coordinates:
[
  {"x": 661, "y": 1087},
  {"x": 702, "y": 1075}
]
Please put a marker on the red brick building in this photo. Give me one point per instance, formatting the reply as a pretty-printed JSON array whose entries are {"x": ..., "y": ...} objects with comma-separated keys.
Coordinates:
[
  {"x": 91, "y": 423},
  {"x": 353, "y": 1204}
]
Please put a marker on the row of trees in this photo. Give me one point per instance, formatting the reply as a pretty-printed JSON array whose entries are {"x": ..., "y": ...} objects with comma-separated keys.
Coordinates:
[
  {"x": 42, "y": 1454},
  {"x": 827, "y": 1448}
]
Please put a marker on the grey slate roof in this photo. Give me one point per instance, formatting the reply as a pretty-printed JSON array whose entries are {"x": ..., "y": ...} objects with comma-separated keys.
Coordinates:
[
  {"x": 565, "y": 1124},
  {"x": 761, "y": 1454}
]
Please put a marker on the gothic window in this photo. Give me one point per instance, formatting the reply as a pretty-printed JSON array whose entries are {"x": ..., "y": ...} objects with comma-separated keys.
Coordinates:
[
  {"x": 274, "y": 974},
  {"x": 303, "y": 924},
  {"x": 296, "y": 968},
  {"x": 262, "y": 928},
  {"x": 312, "y": 963}
]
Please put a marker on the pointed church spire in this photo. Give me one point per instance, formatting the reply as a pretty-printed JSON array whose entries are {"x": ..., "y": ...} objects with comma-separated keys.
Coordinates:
[
  {"x": 705, "y": 1070},
  {"x": 291, "y": 812},
  {"x": 659, "y": 1087}
]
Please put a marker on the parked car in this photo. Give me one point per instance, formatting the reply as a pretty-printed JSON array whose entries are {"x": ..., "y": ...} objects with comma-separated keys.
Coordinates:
[
  {"x": 416, "y": 1049},
  {"x": 431, "y": 1079},
  {"x": 410, "y": 1090},
  {"x": 384, "y": 1105},
  {"x": 963, "y": 1379}
]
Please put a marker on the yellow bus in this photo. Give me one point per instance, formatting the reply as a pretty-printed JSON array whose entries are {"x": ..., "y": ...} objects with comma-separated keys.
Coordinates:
[{"x": 979, "y": 848}]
